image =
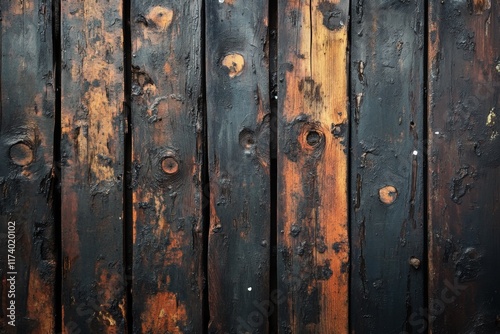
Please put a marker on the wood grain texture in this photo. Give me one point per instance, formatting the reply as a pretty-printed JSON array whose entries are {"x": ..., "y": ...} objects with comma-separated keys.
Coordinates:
[
  {"x": 26, "y": 164},
  {"x": 168, "y": 279},
  {"x": 313, "y": 246},
  {"x": 92, "y": 157},
  {"x": 464, "y": 162},
  {"x": 238, "y": 114},
  {"x": 387, "y": 185}
]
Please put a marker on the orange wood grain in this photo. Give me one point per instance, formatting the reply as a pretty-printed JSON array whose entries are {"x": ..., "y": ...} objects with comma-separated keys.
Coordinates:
[{"x": 312, "y": 166}]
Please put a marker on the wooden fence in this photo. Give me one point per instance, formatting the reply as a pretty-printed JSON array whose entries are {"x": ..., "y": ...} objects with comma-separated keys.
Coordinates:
[{"x": 231, "y": 166}]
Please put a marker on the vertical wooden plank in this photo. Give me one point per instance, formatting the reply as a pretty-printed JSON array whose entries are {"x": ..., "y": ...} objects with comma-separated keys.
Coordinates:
[
  {"x": 167, "y": 161},
  {"x": 464, "y": 160},
  {"x": 92, "y": 166},
  {"x": 313, "y": 247},
  {"x": 387, "y": 91},
  {"x": 26, "y": 167},
  {"x": 238, "y": 114}
]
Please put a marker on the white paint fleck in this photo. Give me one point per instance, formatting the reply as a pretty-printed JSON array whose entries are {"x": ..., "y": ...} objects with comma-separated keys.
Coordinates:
[
  {"x": 221, "y": 1},
  {"x": 415, "y": 152},
  {"x": 436, "y": 133},
  {"x": 249, "y": 288}
]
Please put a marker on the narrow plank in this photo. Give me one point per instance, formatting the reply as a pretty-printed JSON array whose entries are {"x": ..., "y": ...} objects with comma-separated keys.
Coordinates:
[
  {"x": 238, "y": 114},
  {"x": 92, "y": 156},
  {"x": 167, "y": 164},
  {"x": 464, "y": 174},
  {"x": 26, "y": 167},
  {"x": 387, "y": 185},
  {"x": 313, "y": 246}
]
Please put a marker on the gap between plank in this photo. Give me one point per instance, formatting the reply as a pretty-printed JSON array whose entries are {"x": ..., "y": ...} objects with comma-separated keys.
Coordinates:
[
  {"x": 56, "y": 164},
  {"x": 127, "y": 189}
]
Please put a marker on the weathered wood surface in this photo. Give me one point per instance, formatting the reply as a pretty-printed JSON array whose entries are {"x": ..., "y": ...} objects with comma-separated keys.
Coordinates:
[
  {"x": 464, "y": 174},
  {"x": 313, "y": 246},
  {"x": 238, "y": 115},
  {"x": 304, "y": 214},
  {"x": 387, "y": 217},
  {"x": 92, "y": 123},
  {"x": 26, "y": 165},
  {"x": 167, "y": 157}
]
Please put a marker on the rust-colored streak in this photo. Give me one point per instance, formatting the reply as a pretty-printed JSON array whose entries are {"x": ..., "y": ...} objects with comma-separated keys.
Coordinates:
[
  {"x": 480, "y": 6},
  {"x": 164, "y": 311},
  {"x": 40, "y": 303}
]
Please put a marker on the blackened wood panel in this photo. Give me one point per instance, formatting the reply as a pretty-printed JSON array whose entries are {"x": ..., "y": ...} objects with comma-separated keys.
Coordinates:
[
  {"x": 238, "y": 115},
  {"x": 313, "y": 246},
  {"x": 464, "y": 167},
  {"x": 167, "y": 159},
  {"x": 26, "y": 167},
  {"x": 387, "y": 91},
  {"x": 93, "y": 286}
]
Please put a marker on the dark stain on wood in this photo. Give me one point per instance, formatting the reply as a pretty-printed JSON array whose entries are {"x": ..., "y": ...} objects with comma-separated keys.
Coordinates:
[
  {"x": 27, "y": 170},
  {"x": 92, "y": 125},
  {"x": 463, "y": 180},
  {"x": 167, "y": 155},
  {"x": 238, "y": 118},
  {"x": 387, "y": 80}
]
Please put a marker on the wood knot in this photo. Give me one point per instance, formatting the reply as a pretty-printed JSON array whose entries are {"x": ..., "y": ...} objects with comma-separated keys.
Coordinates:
[
  {"x": 247, "y": 140},
  {"x": 235, "y": 63},
  {"x": 414, "y": 262},
  {"x": 170, "y": 166},
  {"x": 313, "y": 138},
  {"x": 161, "y": 17},
  {"x": 21, "y": 154},
  {"x": 388, "y": 194}
]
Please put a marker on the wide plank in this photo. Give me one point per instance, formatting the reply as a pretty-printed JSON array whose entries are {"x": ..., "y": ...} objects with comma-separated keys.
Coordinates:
[
  {"x": 92, "y": 164},
  {"x": 387, "y": 170},
  {"x": 238, "y": 115},
  {"x": 464, "y": 167},
  {"x": 27, "y": 170},
  {"x": 167, "y": 158},
  {"x": 313, "y": 123}
]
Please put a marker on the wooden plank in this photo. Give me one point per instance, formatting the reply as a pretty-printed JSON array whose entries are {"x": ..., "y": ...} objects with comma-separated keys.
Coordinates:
[
  {"x": 93, "y": 285},
  {"x": 313, "y": 246},
  {"x": 167, "y": 164},
  {"x": 238, "y": 115},
  {"x": 464, "y": 174},
  {"x": 387, "y": 184},
  {"x": 26, "y": 167}
]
